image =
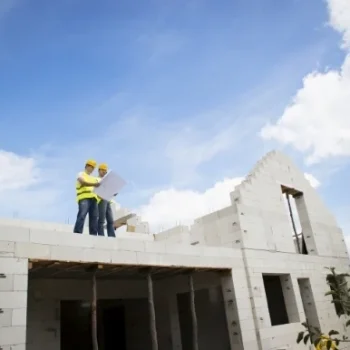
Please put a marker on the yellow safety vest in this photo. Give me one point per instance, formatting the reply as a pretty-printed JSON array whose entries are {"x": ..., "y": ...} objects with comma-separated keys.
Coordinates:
[{"x": 84, "y": 192}]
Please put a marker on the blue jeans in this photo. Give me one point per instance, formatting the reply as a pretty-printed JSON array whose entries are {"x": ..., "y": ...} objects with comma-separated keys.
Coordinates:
[
  {"x": 105, "y": 213},
  {"x": 88, "y": 205}
]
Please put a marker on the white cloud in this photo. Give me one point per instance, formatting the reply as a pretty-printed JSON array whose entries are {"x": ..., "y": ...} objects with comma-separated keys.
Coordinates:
[
  {"x": 317, "y": 121},
  {"x": 170, "y": 207},
  {"x": 23, "y": 192},
  {"x": 313, "y": 181},
  {"x": 17, "y": 172},
  {"x": 339, "y": 13}
]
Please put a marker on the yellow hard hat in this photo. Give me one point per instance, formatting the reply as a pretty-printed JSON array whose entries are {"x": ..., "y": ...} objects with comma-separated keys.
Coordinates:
[
  {"x": 91, "y": 162},
  {"x": 103, "y": 166}
]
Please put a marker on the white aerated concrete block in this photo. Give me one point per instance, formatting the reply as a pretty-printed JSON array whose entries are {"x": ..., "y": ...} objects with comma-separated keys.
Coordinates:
[
  {"x": 12, "y": 335},
  {"x": 7, "y": 248},
  {"x": 20, "y": 282},
  {"x": 9, "y": 265},
  {"x": 14, "y": 234},
  {"x": 6, "y": 318},
  {"x": 12, "y": 300},
  {"x": 6, "y": 284},
  {"x": 19, "y": 317}
]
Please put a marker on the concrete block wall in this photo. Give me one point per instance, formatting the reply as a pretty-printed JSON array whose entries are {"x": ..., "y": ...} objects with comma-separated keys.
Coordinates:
[
  {"x": 260, "y": 200},
  {"x": 288, "y": 289},
  {"x": 233, "y": 321},
  {"x": 294, "y": 266},
  {"x": 217, "y": 229},
  {"x": 18, "y": 244},
  {"x": 137, "y": 249},
  {"x": 178, "y": 234},
  {"x": 13, "y": 297}
]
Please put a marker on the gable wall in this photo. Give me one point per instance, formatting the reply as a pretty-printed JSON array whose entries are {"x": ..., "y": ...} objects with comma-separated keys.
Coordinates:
[{"x": 263, "y": 217}]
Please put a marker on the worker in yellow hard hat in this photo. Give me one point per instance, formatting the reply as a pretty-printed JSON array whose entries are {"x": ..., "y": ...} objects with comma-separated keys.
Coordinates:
[
  {"x": 104, "y": 208},
  {"x": 87, "y": 199}
]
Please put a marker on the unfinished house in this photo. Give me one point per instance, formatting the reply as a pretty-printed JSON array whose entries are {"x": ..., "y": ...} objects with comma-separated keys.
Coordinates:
[{"x": 241, "y": 278}]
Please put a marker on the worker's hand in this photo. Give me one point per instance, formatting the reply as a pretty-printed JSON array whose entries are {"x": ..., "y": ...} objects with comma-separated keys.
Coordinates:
[{"x": 97, "y": 184}]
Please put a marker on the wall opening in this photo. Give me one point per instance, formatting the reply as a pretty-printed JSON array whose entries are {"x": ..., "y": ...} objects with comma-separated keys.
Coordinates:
[
  {"x": 212, "y": 324},
  {"x": 59, "y": 306},
  {"x": 309, "y": 305},
  {"x": 280, "y": 299},
  {"x": 75, "y": 325},
  {"x": 292, "y": 196}
]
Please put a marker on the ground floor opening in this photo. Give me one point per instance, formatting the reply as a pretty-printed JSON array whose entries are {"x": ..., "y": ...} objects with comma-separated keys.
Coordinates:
[
  {"x": 60, "y": 300},
  {"x": 76, "y": 330}
]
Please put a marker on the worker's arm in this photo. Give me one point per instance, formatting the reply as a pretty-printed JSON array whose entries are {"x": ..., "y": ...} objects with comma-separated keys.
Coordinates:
[{"x": 85, "y": 183}]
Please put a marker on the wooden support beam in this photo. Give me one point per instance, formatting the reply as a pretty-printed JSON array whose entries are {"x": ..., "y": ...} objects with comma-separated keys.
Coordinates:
[
  {"x": 94, "y": 312},
  {"x": 193, "y": 313},
  {"x": 152, "y": 312}
]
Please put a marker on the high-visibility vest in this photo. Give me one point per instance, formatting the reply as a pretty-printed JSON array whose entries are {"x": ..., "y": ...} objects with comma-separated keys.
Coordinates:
[{"x": 84, "y": 192}]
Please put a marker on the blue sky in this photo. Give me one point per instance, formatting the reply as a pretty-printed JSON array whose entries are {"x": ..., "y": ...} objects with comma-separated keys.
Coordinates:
[{"x": 171, "y": 94}]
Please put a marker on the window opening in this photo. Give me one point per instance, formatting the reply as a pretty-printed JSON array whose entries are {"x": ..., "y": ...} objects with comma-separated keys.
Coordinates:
[
  {"x": 275, "y": 300},
  {"x": 291, "y": 195}
]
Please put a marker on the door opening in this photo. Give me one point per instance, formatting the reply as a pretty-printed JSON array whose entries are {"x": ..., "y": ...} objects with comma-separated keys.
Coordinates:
[
  {"x": 114, "y": 328},
  {"x": 76, "y": 325}
]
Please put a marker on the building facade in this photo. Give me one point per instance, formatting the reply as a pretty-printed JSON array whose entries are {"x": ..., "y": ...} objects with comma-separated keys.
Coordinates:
[{"x": 256, "y": 278}]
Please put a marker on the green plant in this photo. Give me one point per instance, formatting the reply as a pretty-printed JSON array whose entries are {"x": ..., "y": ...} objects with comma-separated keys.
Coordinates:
[{"x": 341, "y": 299}]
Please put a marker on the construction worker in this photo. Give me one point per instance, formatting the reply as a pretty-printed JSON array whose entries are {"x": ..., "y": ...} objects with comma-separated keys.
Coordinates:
[
  {"x": 104, "y": 208},
  {"x": 87, "y": 199}
]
